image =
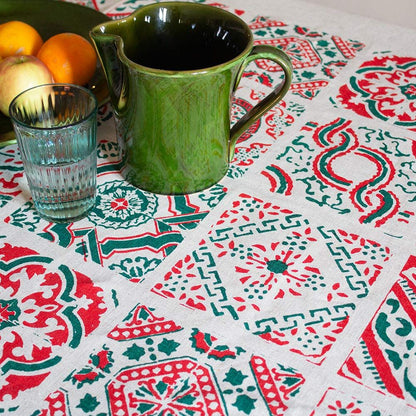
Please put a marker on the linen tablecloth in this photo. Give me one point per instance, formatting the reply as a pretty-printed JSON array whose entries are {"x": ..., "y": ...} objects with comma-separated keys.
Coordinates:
[{"x": 288, "y": 288}]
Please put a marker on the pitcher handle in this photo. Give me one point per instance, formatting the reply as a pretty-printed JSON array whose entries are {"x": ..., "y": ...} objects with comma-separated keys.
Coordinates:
[{"x": 278, "y": 56}]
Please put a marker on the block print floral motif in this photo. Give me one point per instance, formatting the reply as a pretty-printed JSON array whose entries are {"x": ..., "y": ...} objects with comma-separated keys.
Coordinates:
[
  {"x": 11, "y": 170},
  {"x": 105, "y": 113},
  {"x": 156, "y": 226},
  {"x": 238, "y": 12},
  {"x": 207, "y": 344},
  {"x": 108, "y": 157},
  {"x": 277, "y": 384},
  {"x": 56, "y": 405},
  {"x": 380, "y": 192},
  {"x": 285, "y": 269},
  {"x": 262, "y": 278},
  {"x": 195, "y": 373},
  {"x": 246, "y": 150},
  {"x": 383, "y": 88},
  {"x": 369, "y": 194},
  {"x": 384, "y": 358},
  {"x": 121, "y": 9},
  {"x": 99, "y": 364},
  {"x": 94, "y": 4},
  {"x": 41, "y": 310},
  {"x": 120, "y": 205},
  {"x": 274, "y": 123},
  {"x": 337, "y": 403},
  {"x": 123, "y": 205},
  {"x": 174, "y": 387},
  {"x": 316, "y": 57},
  {"x": 142, "y": 322}
]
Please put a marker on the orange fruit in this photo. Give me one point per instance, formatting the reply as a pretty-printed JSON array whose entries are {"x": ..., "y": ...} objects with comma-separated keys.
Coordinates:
[
  {"x": 69, "y": 57},
  {"x": 19, "y": 38}
]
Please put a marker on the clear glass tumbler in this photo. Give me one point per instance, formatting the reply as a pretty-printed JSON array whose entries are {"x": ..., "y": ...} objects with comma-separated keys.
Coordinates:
[{"x": 56, "y": 128}]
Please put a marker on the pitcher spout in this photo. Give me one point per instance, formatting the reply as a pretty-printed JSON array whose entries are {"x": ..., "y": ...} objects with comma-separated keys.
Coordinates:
[{"x": 108, "y": 44}]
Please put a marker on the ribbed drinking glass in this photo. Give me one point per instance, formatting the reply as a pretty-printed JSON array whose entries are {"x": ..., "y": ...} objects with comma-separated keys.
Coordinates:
[{"x": 55, "y": 127}]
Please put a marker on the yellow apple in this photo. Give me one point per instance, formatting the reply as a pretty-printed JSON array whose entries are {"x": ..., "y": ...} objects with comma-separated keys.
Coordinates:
[{"x": 19, "y": 73}]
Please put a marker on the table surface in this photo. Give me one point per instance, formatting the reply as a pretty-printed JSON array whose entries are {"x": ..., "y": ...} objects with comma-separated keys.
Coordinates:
[{"x": 288, "y": 288}]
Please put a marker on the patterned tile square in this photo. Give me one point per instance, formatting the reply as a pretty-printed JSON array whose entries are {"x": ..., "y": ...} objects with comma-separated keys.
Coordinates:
[
  {"x": 259, "y": 264},
  {"x": 384, "y": 358}
]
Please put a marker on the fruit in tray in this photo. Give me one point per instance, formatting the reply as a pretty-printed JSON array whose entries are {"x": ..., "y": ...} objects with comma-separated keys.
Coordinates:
[
  {"x": 19, "y": 38},
  {"x": 26, "y": 60},
  {"x": 18, "y": 73},
  {"x": 69, "y": 57}
]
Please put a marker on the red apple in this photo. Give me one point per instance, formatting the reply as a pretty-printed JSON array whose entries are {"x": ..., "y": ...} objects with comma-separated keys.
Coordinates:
[{"x": 18, "y": 73}]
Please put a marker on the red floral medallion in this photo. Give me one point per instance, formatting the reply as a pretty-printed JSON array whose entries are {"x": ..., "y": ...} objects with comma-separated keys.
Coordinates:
[
  {"x": 42, "y": 309},
  {"x": 175, "y": 388}
]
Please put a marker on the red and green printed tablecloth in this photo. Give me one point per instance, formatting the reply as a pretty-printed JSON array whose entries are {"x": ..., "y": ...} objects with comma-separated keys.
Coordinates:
[{"x": 289, "y": 288}]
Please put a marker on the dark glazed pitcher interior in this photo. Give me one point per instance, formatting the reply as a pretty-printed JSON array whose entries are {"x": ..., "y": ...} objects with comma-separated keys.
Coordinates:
[
  {"x": 178, "y": 39},
  {"x": 172, "y": 69}
]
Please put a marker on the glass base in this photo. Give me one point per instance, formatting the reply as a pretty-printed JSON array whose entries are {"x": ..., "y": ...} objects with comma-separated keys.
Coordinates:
[{"x": 71, "y": 214}]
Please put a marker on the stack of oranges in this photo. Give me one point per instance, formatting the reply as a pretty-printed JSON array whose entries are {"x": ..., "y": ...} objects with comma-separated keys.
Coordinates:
[{"x": 69, "y": 57}]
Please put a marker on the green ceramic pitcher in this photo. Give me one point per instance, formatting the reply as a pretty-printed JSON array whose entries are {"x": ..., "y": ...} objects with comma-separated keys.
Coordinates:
[{"x": 172, "y": 69}]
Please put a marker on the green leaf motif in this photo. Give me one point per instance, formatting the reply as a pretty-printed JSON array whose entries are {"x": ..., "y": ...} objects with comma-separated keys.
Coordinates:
[
  {"x": 290, "y": 381},
  {"x": 144, "y": 314},
  {"x": 245, "y": 403},
  {"x": 261, "y": 33},
  {"x": 409, "y": 386},
  {"x": 331, "y": 54},
  {"x": 394, "y": 357},
  {"x": 235, "y": 377},
  {"x": 88, "y": 403},
  {"x": 168, "y": 346},
  {"x": 161, "y": 387},
  {"x": 406, "y": 327},
  {"x": 382, "y": 324},
  {"x": 308, "y": 74},
  {"x": 280, "y": 32},
  {"x": 134, "y": 352},
  {"x": 394, "y": 305},
  {"x": 187, "y": 399},
  {"x": 323, "y": 43},
  {"x": 145, "y": 407}
]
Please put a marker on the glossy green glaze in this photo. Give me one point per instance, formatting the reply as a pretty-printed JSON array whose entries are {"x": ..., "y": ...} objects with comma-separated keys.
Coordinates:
[{"x": 172, "y": 69}]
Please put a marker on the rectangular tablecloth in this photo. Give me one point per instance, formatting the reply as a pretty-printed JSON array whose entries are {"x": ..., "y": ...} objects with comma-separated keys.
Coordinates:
[{"x": 288, "y": 288}]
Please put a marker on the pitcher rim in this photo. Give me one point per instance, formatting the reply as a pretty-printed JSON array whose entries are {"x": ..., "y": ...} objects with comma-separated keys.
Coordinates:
[{"x": 97, "y": 31}]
